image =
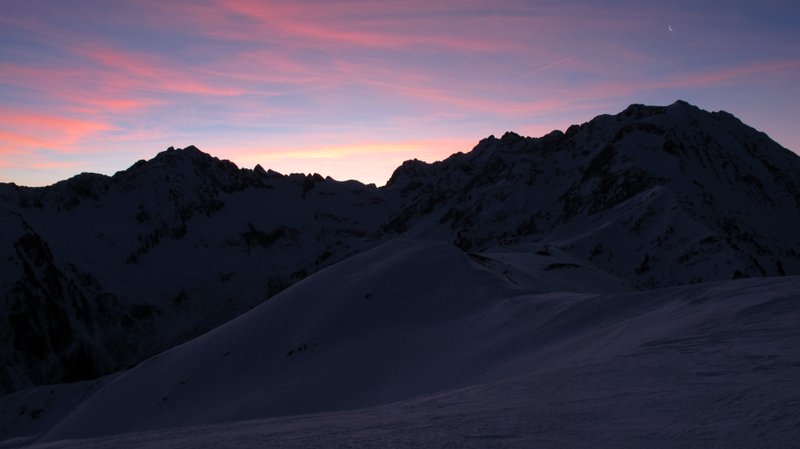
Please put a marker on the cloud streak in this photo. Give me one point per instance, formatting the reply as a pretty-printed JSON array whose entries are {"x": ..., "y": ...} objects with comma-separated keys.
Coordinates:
[{"x": 27, "y": 129}]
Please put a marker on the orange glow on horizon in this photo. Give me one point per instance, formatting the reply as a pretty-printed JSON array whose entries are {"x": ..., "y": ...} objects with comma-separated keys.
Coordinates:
[{"x": 368, "y": 162}]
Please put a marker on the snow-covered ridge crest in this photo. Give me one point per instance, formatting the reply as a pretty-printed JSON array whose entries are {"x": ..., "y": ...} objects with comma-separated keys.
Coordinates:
[{"x": 662, "y": 195}]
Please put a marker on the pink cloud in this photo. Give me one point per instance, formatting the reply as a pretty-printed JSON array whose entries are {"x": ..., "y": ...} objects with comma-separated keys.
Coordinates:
[
  {"x": 36, "y": 129},
  {"x": 68, "y": 86},
  {"x": 24, "y": 134},
  {"x": 129, "y": 70},
  {"x": 17, "y": 143},
  {"x": 355, "y": 24}
]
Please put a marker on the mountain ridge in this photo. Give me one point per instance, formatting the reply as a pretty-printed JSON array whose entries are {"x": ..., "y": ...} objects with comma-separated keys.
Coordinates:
[{"x": 169, "y": 248}]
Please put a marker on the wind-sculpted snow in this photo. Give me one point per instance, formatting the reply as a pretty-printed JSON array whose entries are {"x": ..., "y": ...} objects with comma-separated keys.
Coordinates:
[{"x": 552, "y": 261}]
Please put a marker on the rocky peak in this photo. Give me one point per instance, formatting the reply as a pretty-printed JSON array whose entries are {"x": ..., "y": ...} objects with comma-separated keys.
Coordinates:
[
  {"x": 408, "y": 170},
  {"x": 705, "y": 176}
]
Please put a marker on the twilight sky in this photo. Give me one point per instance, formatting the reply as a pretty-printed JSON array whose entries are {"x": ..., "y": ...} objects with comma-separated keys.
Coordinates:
[{"x": 352, "y": 88}]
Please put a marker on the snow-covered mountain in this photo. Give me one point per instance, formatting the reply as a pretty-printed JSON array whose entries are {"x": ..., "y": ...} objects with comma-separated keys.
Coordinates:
[
  {"x": 658, "y": 196},
  {"x": 523, "y": 261},
  {"x": 100, "y": 272}
]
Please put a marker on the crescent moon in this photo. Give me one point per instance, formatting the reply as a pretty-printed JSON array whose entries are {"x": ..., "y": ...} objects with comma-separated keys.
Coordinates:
[{"x": 669, "y": 27}]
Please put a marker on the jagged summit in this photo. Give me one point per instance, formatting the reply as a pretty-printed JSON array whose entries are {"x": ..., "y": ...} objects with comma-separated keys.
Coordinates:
[
  {"x": 189, "y": 155},
  {"x": 671, "y": 121},
  {"x": 639, "y": 110},
  {"x": 183, "y": 161},
  {"x": 642, "y": 176}
]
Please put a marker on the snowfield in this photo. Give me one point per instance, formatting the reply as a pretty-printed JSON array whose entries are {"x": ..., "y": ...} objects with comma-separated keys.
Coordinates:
[
  {"x": 632, "y": 282},
  {"x": 415, "y": 344}
]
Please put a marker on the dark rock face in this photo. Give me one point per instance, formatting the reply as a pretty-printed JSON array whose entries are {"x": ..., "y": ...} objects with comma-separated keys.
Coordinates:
[{"x": 60, "y": 325}]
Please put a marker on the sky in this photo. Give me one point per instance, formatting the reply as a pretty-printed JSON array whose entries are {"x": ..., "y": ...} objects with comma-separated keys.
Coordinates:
[{"x": 352, "y": 88}]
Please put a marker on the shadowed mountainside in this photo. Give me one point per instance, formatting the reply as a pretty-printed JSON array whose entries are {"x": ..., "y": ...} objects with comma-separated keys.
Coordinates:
[{"x": 99, "y": 272}]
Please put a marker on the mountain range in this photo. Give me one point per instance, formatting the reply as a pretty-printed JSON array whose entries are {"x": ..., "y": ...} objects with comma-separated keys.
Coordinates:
[{"x": 647, "y": 260}]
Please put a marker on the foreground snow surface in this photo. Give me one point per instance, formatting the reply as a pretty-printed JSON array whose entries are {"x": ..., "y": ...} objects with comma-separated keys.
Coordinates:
[
  {"x": 416, "y": 344},
  {"x": 636, "y": 403}
]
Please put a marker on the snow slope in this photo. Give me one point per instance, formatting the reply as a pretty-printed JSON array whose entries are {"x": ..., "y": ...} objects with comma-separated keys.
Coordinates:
[
  {"x": 386, "y": 350},
  {"x": 367, "y": 326}
]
